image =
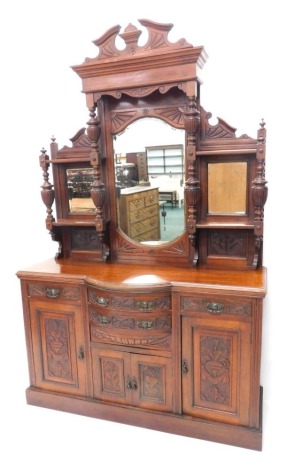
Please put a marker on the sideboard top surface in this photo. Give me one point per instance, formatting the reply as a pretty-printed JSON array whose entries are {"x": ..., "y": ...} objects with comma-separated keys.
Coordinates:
[{"x": 123, "y": 276}]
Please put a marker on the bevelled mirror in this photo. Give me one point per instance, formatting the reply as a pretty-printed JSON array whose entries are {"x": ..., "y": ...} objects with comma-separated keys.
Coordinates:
[
  {"x": 79, "y": 182},
  {"x": 149, "y": 180}
]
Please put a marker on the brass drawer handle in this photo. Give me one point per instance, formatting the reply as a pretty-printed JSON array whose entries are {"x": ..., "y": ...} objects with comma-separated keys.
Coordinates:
[
  {"x": 102, "y": 319},
  {"x": 52, "y": 293},
  {"x": 145, "y": 324},
  {"x": 145, "y": 305},
  {"x": 102, "y": 301},
  {"x": 215, "y": 308}
]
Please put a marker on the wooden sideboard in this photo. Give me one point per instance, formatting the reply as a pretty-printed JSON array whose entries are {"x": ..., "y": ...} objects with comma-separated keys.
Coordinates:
[
  {"x": 125, "y": 326},
  {"x": 171, "y": 349},
  {"x": 139, "y": 213}
]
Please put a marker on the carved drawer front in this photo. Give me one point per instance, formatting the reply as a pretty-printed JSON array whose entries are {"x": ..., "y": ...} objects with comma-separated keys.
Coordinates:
[
  {"x": 125, "y": 301},
  {"x": 217, "y": 306},
  {"x": 147, "y": 330},
  {"x": 55, "y": 291},
  {"x": 141, "y": 320}
]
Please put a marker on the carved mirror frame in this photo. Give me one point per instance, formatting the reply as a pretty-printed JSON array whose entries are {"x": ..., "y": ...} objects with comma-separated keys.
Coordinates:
[{"x": 160, "y": 80}]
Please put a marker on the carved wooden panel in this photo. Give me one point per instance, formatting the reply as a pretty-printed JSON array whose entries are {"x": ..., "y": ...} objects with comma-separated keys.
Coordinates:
[
  {"x": 216, "y": 369},
  {"x": 110, "y": 371},
  {"x": 215, "y": 383},
  {"x": 154, "y": 382},
  {"x": 84, "y": 239},
  {"x": 58, "y": 344},
  {"x": 227, "y": 243}
]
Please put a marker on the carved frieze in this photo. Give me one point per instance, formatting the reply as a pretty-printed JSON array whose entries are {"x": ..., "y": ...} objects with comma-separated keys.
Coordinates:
[
  {"x": 107, "y": 335},
  {"x": 227, "y": 243},
  {"x": 85, "y": 239}
]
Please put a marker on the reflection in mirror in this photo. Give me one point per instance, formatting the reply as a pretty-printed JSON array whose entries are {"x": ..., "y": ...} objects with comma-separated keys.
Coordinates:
[
  {"x": 227, "y": 188},
  {"x": 79, "y": 183},
  {"x": 149, "y": 179}
]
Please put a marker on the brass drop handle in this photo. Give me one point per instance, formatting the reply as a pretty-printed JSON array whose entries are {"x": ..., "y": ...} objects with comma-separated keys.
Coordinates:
[
  {"x": 52, "y": 293},
  {"x": 145, "y": 324},
  {"x": 145, "y": 305},
  {"x": 101, "y": 301},
  {"x": 215, "y": 308},
  {"x": 103, "y": 320}
]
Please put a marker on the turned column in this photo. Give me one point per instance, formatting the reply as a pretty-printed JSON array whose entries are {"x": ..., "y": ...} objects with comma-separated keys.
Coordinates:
[
  {"x": 259, "y": 193},
  {"x": 192, "y": 187},
  {"x": 47, "y": 192},
  {"x": 98, "y": 188}
]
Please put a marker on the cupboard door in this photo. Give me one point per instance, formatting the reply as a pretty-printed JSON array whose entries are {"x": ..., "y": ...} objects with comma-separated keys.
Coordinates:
[
  {"x": 153, "y": 382},
  {"x": 216, "y": 369},
  {"x": 140, "y": 380},
  {"x": 111, "y": 375},
  {"x": 58, "y": 347}
]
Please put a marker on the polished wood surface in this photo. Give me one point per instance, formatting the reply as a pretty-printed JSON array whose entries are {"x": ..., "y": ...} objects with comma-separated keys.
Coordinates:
[{"x": 137, "y": 276}]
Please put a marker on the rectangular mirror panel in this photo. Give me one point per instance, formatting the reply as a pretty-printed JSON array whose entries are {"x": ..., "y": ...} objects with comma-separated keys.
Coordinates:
[{"x": 79, "y": 183}]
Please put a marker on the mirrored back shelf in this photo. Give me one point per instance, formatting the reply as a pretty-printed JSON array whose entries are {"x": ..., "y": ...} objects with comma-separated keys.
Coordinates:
[
  {"x": 151, "y": 312},
  {"x": 217, "y": 181}
]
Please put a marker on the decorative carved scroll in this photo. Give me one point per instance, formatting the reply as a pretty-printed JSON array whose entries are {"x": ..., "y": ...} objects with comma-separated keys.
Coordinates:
[
  {"x": 221, "y": 130},
  {"x": 157, "y": 39},
  {"x": 259, "y": 193}
]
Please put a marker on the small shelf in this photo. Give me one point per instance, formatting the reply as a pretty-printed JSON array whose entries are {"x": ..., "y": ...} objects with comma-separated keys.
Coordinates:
[{"x": 74, "y": 222}]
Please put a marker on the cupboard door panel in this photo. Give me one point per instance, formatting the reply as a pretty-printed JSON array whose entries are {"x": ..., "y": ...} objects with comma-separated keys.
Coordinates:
[
  {"x": 216, "y": 384},
  {"x": 154, "y": 382},
  {"x": 111, "y": 375},
  {"x": 58, "y": 347}
]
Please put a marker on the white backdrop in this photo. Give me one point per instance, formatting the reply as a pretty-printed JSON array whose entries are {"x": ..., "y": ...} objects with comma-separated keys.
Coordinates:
[{"x": 247, "y": 77}]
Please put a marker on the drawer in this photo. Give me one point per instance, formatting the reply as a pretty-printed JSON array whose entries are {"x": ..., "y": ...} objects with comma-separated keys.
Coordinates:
[
  {"x": 144, "y": 226},
  {"x": 125, "y": 301},
  {"x": 145, "y": 213},
  {"x": 136, "y": 203},
  {"x": 131, "y": 329},
  {"x": 151, "y": 198},
  {"x": 217, "y": 305},
  {"x": 152, "y": 235},
  {"x": 55, "y": 291}
]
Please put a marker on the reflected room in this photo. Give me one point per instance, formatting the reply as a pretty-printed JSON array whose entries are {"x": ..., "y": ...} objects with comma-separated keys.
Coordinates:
[{"x": 149, "y": 180}]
